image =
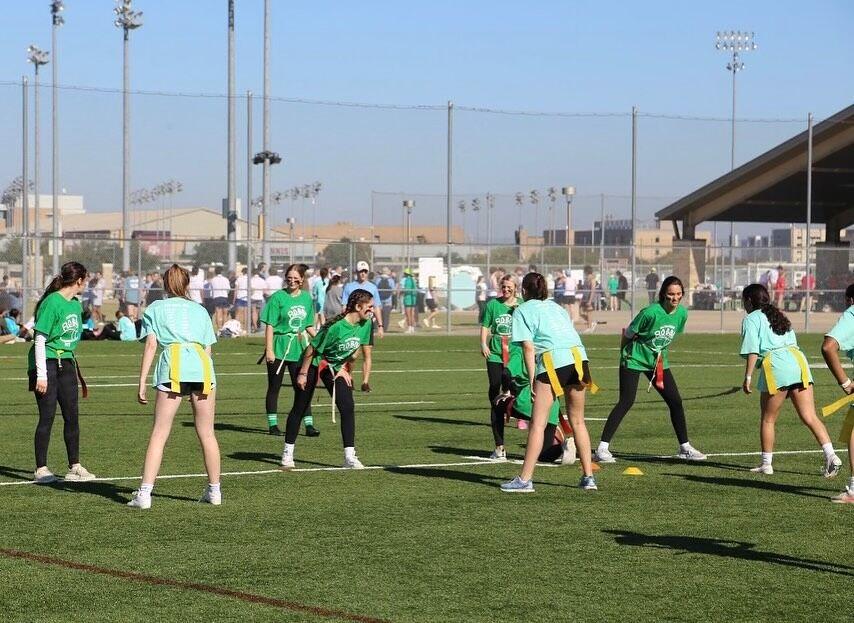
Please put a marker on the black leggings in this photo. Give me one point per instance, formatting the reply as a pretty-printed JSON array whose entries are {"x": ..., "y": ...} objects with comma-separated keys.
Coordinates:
[
  {"x": 550, "y": 451},
  {"x": 628, "y": 391},
  {"x": 343, "y": 402},
  {"x": 274, "y": 381},
  {"x": 499, "y": 379},
  {"x": 62, "y": 389}
]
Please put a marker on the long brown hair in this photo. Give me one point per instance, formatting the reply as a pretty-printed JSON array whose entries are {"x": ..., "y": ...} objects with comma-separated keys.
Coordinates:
[
  {"x": 176, "y": 281},
  {"x": 534, "y": 287},
  {"x": 69, "y": 274},
  {"x": 756, "y": 296},
  {"x": 357, "y": 297}
]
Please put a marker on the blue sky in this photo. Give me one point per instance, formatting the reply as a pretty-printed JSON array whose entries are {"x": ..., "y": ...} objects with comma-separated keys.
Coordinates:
[{"x": 599, "y": 57}]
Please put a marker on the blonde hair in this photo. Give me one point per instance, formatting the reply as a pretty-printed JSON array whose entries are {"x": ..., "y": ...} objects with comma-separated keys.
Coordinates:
[{"x": 176, "y": 281}]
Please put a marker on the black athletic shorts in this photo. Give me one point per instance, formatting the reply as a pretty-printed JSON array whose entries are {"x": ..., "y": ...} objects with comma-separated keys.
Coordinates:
[
  {"x": 567, "y": 375},
  {"x": 431, "y": 304},
  {"x": 186, "y": 388}
]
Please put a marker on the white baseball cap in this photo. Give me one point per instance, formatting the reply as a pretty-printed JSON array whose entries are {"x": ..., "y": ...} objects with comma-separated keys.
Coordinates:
[{"x": 363, "y": 265}]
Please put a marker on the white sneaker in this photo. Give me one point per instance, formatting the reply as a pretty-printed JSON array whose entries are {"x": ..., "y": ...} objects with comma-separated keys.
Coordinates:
[
  {"x": 765, "y": 468},
  {"x": 402, "y": 323},
  {"x": 604, "y": 456},
  {"x": 411, "y": 330},
  {"x": 287, "y": 461},
  {"x": 499, "y": 454},
  {"x": 140, "y": 501},
  {"x": 353, "y": 463},
  {"x": 78, "y": 473},
  {"x": 569, "y": 455},
  {"x": 832, "y": 466},
  {"x": 210, "y": 497},
  {"x": 691, "y": 454},
  {"x": 435, "y": 326},
  {"x": 43, "y": 476},
  {"x": 425, "y": 322}
]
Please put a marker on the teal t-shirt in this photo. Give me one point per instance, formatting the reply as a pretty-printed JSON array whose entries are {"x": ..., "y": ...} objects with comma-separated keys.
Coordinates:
[
  {"x": 498, "y": 318},
  {"x": 339, "y": 341},
  {"x": 613, "y": 286},
  {"x": 127, "y": 329},
  {"x": 757, "y": 337},
  {"x": 653, "y": 329},
  {"x": 289, "y": 316},
  {"x": 61, "y": 322},
  {"x": 184, "y": 322},
  {"x": 843, "y": 332},
  {"x": 548, "y": 326},
  {"x": 410, "y": 291}
]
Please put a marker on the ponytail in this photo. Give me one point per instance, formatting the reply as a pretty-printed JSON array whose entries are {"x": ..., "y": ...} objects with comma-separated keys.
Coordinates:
[
  {"x": 357, "y": 297},
  {"x": 69, "y": 274},
  {"x": 756, "y": 297}
]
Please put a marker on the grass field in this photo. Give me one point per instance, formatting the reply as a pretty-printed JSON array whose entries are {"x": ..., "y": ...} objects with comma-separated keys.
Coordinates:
[{"x": 700, "y": 542}]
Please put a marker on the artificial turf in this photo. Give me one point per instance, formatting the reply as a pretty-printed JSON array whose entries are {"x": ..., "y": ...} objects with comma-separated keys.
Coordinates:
[{"x": 699, "y": 542}]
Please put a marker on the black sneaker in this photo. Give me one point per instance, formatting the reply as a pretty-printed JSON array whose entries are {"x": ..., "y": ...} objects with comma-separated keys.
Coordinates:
[
  {"x": 274, "y": 430},
  {"x": 311, "y": 431}
]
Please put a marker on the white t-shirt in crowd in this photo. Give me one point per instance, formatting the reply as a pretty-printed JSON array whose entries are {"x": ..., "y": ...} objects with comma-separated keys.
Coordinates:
[
  {"x": 220, "y": 286},
  {"x": 259, "y": 286},
  {"x": 241, "y": 288},
  {"x": 274, "y": 284},
  {"x": 197, "y": 284}
]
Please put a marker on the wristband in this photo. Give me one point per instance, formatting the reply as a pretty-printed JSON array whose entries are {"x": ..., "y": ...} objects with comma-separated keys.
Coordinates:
[
  {"x": 747, "y": 379},
  {"x": 846, "y": 384}
]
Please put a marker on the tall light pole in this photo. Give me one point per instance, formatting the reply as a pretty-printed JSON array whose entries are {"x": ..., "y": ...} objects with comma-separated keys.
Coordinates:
[
  {"x": 265, "y": 179},
  {"x": 568, "y": 192},
  {"x": 408, "y": 206},
  {"x": 127, "y": 19},
  {"x": 534, "y": 196},
  {"x": 461, "y": 206},
  {"x": 25, "y": 193},
  {"x": 56, "y": 9},
  {"x": 490, "y": 204},
  {"x": 38, "y": 58},
  {"x": 231, "y": 216},
  {"x": 475, "y": 207},
  {"x": 734, "y": 42}
]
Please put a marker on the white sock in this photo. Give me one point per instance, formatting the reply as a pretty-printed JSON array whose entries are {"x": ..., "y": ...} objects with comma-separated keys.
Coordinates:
[
  {"x": 350, "y": 453},
  {"x": 603, "y": 446},
  {"x": 827, "y": 448},
  {"x": 145, "y": 490},
  {"x": 767, "y": 457},
  {"x": 213, "y": 488},
  {"x": 289, "y": 448},
  {"x": 851, "y": 483},
  {"x": 685, "y": 446}
]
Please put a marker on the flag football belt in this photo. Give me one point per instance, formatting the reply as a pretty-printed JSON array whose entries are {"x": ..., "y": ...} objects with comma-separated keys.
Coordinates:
[
  {"x": 505, "y": 350},
  {"x": 325, "y": 365},
  {"x": 767, "y": 368},
  {"x": 175, "y": 367},
  {"x": 657, "y": 377},
  {"x": 577, "y": 361},
  {"x": 84, "y": 389}
]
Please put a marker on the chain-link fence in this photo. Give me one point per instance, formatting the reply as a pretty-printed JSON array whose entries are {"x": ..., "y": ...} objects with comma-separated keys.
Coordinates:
[{"x": 585, "y": 278}]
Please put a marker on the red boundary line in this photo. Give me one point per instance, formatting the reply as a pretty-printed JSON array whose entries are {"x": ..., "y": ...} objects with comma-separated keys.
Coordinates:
[{"x": 191, "y": 586}]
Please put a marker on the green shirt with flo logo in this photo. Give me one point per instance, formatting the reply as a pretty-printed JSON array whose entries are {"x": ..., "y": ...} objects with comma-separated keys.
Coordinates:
[
  {"x": 60, "y": 321},
  {"x": 337, "y": 343},
  {"x": 498, "y": 318},
  {"x": 289, "y": 316},
  {"x": 653, "y": 329}
]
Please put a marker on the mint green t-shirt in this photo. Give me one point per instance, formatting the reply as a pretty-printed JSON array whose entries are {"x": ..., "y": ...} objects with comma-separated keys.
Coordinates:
[
  {"x": 60, "y": 321},
  {"x": 653, "y": 329},
  {"x": 548, "y": 326},
  {"x": 338, "y": 342},
  {"x": 289, "y": 316},
  {"x": 498, "y": 318},
  {"x": 758, "y": 338},
  {"x": 843, "y": 332},
  {"x": 180, "y": 321}
]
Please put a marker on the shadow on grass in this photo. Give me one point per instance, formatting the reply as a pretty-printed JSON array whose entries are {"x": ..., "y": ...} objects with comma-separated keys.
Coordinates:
[
  {"x": 232, "y": 428},
  {"x": 272, "y": 459},
  {"x": 449, "y": 474},
  {"x": 16, "y": 473},
  {"x": 725, "y": 549},
  {"x": 466, "y": 452},
  {"x": 749, "y": 483},
  {"x": 439, "y": 420},
  {"x": 108, "y": 490}
]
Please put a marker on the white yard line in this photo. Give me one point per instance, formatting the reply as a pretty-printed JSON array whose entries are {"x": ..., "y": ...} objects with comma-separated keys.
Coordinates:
[{"x": 476, "y": 461}]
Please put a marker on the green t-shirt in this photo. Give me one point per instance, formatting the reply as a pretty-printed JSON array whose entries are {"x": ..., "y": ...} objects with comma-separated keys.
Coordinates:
[
  {"x": 613, "y": 286},
  {"x": 410, "y": 291},
  {"x": 289, "y": 316},
  {"x": 337, "y": 343},
  {"x": 521, "y": 387},
  {"x": 61, "y": 322},
  {"x": 843, "y": 332},
  {"x": 498, "y": 318},
  {"x": 653, "y": 329}
]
